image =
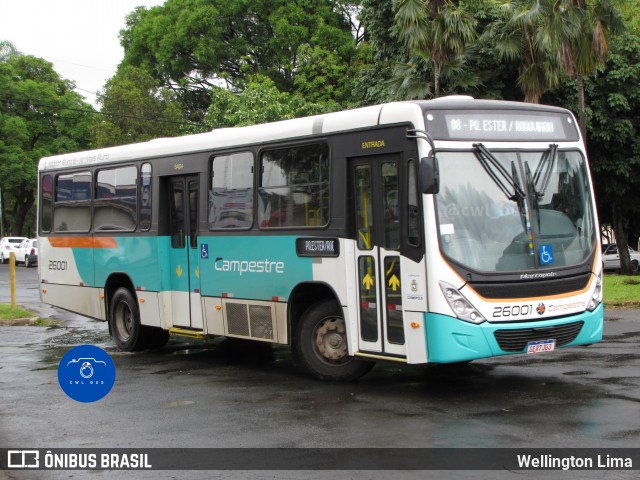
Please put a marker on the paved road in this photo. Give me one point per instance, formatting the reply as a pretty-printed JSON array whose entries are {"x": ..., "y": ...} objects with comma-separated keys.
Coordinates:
[{"x": 229, "y": 394}]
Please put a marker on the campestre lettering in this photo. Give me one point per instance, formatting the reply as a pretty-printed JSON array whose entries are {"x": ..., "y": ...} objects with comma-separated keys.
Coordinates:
[{"x": 249, "y": 266}]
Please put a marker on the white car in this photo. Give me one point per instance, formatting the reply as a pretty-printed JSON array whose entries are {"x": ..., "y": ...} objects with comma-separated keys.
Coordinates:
[
  {"x": 611, "y": 258},
  {"x": 27, "y": 252},
  {"x": 7, "y": 245}
]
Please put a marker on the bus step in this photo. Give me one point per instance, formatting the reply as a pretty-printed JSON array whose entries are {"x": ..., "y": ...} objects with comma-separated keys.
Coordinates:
[{"x": 187, "y": 333}]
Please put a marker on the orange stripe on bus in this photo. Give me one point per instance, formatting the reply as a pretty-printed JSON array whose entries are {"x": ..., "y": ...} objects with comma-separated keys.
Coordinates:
[{"x": 83, "y": 242}]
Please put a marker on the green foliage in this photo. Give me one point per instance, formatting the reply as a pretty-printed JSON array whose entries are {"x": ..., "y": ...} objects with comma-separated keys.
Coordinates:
[
  {"x": 40, "y": 115},
  {"x": 135, "y": 109},
  {"x": 260, "y": 102},
  {"x": 613, "y": 97},
  {"x": 195, "y": 45}
]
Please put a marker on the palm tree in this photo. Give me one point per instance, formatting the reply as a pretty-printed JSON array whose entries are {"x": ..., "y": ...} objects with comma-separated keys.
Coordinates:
[
  {"x": 529, "y": 31},
  {"x": 584, "y": 54},
  {"x": 438, "y": 30}
]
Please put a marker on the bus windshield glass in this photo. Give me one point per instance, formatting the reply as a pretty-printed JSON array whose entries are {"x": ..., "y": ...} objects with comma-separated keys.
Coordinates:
[{"x": 509, "y": 211}]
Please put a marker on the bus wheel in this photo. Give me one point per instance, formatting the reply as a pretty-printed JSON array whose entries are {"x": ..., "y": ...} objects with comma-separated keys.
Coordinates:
[
  {"x": 321, "y": 345},
  {"x": 124, "y": 321}
]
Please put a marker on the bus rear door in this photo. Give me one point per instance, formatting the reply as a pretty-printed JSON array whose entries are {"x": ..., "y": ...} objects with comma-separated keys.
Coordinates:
[{"x": 186, "y": 309}]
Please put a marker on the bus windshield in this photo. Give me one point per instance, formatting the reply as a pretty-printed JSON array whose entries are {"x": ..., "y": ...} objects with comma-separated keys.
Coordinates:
[{"x": 508, "y": 211}]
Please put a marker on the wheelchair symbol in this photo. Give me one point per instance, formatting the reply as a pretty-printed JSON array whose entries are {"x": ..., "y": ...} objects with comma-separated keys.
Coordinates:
[
  {"x": 546, "y": 254},
  {"x": 204, "y": 251}
]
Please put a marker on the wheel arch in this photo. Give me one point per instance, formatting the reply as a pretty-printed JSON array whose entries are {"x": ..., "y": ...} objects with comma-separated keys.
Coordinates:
[
  {"x": 113, "y": 283},
  {"x": 304, "y": 296}
]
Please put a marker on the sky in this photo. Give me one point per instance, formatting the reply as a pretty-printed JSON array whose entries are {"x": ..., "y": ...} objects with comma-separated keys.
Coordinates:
[{"x": 80, "y": 37}]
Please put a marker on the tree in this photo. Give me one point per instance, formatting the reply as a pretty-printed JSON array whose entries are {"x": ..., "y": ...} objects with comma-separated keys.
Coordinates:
[
  {"x": 135, "y": 109},
  {"x": 260, "y": 102},
  {"x": 583, "y": 52},
  {"x": 40, "y": 115},
  {"x": 438, "y": 31},
  {"x": 527, "y": 32},
  {"x": 614, "y": 140},
  {"x": 194, "y": 45}
]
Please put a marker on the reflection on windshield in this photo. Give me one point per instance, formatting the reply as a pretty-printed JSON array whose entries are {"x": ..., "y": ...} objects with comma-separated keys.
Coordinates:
[{"x": 537, "y": 215}]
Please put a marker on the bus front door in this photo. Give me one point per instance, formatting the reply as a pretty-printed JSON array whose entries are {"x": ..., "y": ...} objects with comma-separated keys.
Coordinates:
[
  {"x": 186, "y": 309},
  {"x": 376, "y": 209}
]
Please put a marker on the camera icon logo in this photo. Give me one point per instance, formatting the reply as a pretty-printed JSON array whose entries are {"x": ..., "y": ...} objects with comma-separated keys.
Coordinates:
[{"x": 86, "y": 373}]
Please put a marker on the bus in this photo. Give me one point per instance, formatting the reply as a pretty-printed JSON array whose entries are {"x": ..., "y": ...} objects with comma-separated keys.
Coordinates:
[{"x": 438, "y": 231}]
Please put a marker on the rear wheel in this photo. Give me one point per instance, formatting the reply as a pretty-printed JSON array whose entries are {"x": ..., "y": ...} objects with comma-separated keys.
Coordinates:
[
  {"x": 124, "y": 321},
  {"x": 320, "y": 344},
  {"x": 27, "y": 263}
]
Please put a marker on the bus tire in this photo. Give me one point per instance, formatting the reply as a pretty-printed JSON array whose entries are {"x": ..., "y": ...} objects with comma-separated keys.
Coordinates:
[
  {"x": 155, "y": 337},
  {"x": 320, "y": 345},
  {"x": 124, "y": 321}
]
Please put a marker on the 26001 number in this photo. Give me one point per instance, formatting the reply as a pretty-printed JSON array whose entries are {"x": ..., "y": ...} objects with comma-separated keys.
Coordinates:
[
  {"x": 515, "y": 311},
  {"x": 57, "y": 264}
]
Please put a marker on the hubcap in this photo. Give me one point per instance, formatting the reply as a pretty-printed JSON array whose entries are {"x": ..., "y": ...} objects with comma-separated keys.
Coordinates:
[{"x": 330, "y": 339}]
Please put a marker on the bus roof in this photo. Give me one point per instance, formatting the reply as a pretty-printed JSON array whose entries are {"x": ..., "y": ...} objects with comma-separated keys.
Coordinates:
[{"x": 389, "y": 113}]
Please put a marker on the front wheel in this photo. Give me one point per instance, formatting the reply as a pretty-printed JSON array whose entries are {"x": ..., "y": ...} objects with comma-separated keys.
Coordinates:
[
  {"x": 320, "y": 344},
  {"x": 635, "y": 266},
  {"x": 124, "y": 321}
]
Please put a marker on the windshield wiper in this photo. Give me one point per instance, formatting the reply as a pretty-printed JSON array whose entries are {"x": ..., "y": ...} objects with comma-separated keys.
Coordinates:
[
  {"x": 505, "y": 181},
  {"x": 547, "y": 162}
]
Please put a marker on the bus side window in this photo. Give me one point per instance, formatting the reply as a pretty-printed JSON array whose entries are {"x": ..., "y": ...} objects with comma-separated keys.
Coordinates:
[
  {"x": 115, "y": 206},
  {"x": 72, "y": 207},
  {"x": 231, "y": 195},
  {"x": 294, "y": 187}
]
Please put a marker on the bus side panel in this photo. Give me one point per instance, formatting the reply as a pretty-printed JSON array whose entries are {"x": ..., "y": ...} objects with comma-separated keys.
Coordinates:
[
  {"x": 66, "y": 271},
  {"x": 138, "y": 257},
  {"x": 258, "y": 268}
]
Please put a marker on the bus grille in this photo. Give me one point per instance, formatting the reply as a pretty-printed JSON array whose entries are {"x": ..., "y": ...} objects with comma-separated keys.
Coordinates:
[
  {"x": 247, "y": 320},
  {"x": 237, "y": 319},
  {"x": 261, "y": 324},
  {"x": 516, "y": 340}
]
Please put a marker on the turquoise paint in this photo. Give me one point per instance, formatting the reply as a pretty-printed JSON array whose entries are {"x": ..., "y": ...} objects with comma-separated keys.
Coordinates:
[
  {"x": 85, "y": 264},
  {"x": 250, "y": 267},
  {"x": 253, "y": 267},
  {"x": 452, "y": 340},
  {"x": 138, "y": 257}
]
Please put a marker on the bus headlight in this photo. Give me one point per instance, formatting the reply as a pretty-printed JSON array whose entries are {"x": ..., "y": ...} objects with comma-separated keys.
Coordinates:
[
  {"x": 596, "y": 298},
  {"x": 460, "y": 305}
]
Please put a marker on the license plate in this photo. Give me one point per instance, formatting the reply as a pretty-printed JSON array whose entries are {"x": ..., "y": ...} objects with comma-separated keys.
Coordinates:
[{"x": 541, "y": 346}]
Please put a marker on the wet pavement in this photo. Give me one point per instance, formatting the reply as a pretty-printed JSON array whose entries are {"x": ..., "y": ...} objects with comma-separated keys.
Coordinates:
[{"x": 226, "y": 393}]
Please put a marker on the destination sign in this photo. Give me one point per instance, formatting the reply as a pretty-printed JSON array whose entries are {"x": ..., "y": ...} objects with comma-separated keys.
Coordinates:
[
  {"x": 317, "y": 247},
  {"x": 501, "y": 125}
]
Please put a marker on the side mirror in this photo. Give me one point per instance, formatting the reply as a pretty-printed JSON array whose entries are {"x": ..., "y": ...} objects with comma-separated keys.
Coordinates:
[{"x": 429, "y": 175}]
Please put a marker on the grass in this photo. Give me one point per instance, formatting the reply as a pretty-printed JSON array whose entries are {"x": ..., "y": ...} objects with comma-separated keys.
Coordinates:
[
  {"x": 621, "y": 291},
  {"x": 19, "y": 316},
  {"x": 7, "y": 312}
]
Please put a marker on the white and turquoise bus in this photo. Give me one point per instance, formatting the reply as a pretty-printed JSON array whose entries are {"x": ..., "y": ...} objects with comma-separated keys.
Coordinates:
[{"x": 421, "y": 232}]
